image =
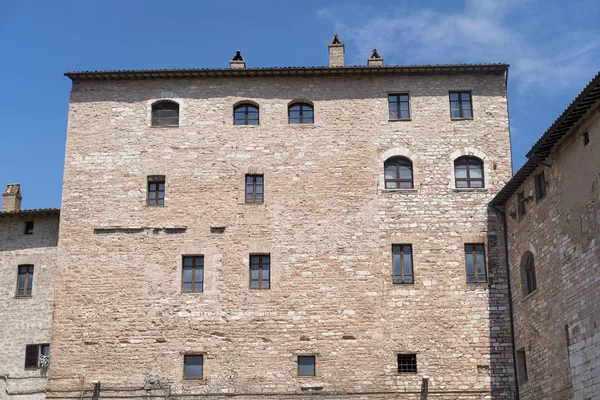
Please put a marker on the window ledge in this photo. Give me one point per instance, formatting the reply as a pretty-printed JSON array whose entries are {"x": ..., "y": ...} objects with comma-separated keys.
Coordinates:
[
  {"x": 302, "y": 125},
  {"x": 399, "y": 119},
  {"x": 164, "y": 126},
  {"x": 530, "y": 294},
  {"x": 247, "y": 126},
  {"x": 23, "y": 297},
  {"x": 542, "y": 199},
  {"x": 461, "y": 119},
  {"x": 459, "y": 190},
  {"x": 399, "y": 190}
]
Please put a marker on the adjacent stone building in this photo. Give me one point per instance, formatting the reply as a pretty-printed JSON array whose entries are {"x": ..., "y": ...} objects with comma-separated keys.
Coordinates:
[
  {"x": 28, "y": 246},
  {"x": 553, "y": 219},
  {"x": 284, "y": 232}
]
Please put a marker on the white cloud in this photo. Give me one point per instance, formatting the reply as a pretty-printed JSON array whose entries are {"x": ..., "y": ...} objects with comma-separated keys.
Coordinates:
[{"x": 510, "y": 31}]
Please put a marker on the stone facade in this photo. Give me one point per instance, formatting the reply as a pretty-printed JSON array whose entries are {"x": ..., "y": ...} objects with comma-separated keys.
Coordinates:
[
  {"x": 25, "y": 320},
  {"x": 558, "y": 324},
  {"x": 327, "y": 222}
]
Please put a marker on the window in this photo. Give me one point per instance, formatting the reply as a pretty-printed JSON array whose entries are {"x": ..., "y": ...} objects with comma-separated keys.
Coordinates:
[
  {"x": 254, "y": 188},
  {"x": 193, "y": 274},
  {"x": 475, "y": 263},
  {"x": 586, "y": 138},
  {"x": 521, "y": 366},
  {"x": 193, "y": 366},
  {"x": 398, "y": 173},
  {"x": 165, "y": 113},
  {"x": 521, "y": 204},
  {"x": 540, "y": 186},
  {"x": 528, "y": 273},
  {"x": 33, "y": 353},
  {"x": 245, "y": 114},
  {"x": 301, "y": 113},
  {"x": 468, "y": 172},
  {"x": 399, "y": 106},
  {"x": 306, "y": 366},
  {"x": 25, "y": 281},
  {"x": 407, "y": 363},
  {"x": 29, "y": 227},
  {"x": 156, "y": 190},
  {"x": 260, "y": 271},
  {"x": 460, "y": 105},
  {"x": 402, "y": 263}
]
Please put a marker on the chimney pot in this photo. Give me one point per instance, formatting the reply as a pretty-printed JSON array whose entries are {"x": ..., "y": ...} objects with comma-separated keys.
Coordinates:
[
  {"x": 336, "y": 52},
  {"x": 237, "y": 62},
  {"x": 375, "y": 60},
  {"x": 11, "y": 198}
]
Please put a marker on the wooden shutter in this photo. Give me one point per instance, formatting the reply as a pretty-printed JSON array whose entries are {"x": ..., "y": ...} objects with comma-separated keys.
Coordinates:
[{"x": 31, "y": 356}]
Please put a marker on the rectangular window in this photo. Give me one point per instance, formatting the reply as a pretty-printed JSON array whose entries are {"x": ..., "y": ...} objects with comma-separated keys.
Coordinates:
[
  {"x": 399, "y": 106},
  {"x": 193, "y": 366},
  {"x": 29, "y": 227},
  {"x": 586, "y": 138},
  {"x": 193, "y": 274},
  {"x": 521, "y": 204},
  {"x": 402, "y": 263},
  {"x": 306, "y": 366},
  {"x": 33, "y": 353},
  {"x": 260, "y": 271},
  {"x": 540, "y": 186},
  {"x": 407, "y": 363},
  {"x": 460, "y": 105},
  {"x": 156, "y": 190},
  {"x": 25, "y": 281},
  {"x": 475, "y": 263},
  {"x": 254, "y": 188},
  {"x": 521, "y": 366}
]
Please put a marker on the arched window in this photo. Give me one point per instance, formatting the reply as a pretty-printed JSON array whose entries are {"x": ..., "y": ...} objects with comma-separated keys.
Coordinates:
[
  {"x": 245, "y": 114},
  {"x": 528, "y": 273},
  {"x": 165, "y": 113},
  {"x": 468, "y": 172},
  {"x": 398, "y": 173},
  {"x": 301, "y": 113}
]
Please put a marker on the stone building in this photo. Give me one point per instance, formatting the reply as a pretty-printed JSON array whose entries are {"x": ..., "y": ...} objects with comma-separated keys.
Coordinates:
[
  {"x": 28, "y": 246},
  {"x": 284, "y": 232},
  {"x": 553, "y": 222}
]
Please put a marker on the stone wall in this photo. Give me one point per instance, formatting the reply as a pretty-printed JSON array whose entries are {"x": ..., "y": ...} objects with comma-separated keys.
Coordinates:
[
  {"x": 327, "y": 222},
  {"x": 25, "y": 320},
  {"x": 561, "y": 231}
]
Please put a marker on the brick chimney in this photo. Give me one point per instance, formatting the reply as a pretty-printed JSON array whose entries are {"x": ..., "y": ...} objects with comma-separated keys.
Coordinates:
[
  {"x": 336, "y": 52},
  {"x": 11, "y": 198},
  {"x": 237, "y": 62},
  {"x": 375, "y": 60}
]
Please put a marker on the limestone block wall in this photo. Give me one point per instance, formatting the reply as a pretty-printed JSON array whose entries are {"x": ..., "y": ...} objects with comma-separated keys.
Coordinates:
[
  {"x": 557, "y": 325},
  {"x": 25, "y": 320},
  {"x": 327, "y": 222}
]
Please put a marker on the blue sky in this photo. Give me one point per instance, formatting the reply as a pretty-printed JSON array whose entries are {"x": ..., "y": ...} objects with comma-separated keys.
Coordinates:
[{"x": 553, "y": 48}]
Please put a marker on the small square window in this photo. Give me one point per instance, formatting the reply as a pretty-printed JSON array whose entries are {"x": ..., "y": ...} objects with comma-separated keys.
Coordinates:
[
  {"x": 407, "y": 363},
  {"x": 260, "y": 271},
  {"x": 29, "y": 227},
  {"x": 33, "y": 353},
  {"x": 255, "y": 188},
  {"x": 306, "y": 365},
  {"x": 399, "y": 106},
  {"x": 521, "y": 366},
  {"x": 460, "y": 105},
  {"x": 193, "y": 366},
  {"x": 193, "y": 274},
  {"x": 540, "y": 186},
  {"x": 475, "y": 263},
  {"x": 156, "y": 190}
]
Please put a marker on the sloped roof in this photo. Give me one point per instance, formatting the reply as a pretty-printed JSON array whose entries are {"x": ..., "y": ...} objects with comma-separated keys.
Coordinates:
[
  {"x": 32, "y": 211},
  {"x": 544, "y": 146},
  {"x": 498, "y": 69}
]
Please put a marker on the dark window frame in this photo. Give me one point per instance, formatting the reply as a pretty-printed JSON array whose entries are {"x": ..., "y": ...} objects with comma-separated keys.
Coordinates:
[
  {"x": 406, "y": 363},
  {"x": 153, "y": 197},
  {"x": 540, "y": 186},
  {"x": 261, "y": 279},
  {"x": 399, "y": 162},
  {"x": 165, "y": 106},
  {"x": 39, "y": 351},
  {"x": 251, "y": 196},
  {"x": 528, "y": 268},
  {"x": 314, "y": 364},
  {"x": 402, "y": 277},
  {"x": 460, "y": 102},
  {"x": 185, "y": 357},
  {"x": 246, "y": 111},
  {"x": 195, "y": 269},
  {"x": 470, "y": 162},
  {"x": 473, "y": 255},
  {"x": 586, "y": 138},
  {"x": 28, "y": 280},
  {"x": 521, "y": 204},
  {"x": 29, "y": 227},
  {"x": 398, "y": 101},
  {"x": 302, "y": 108}
]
